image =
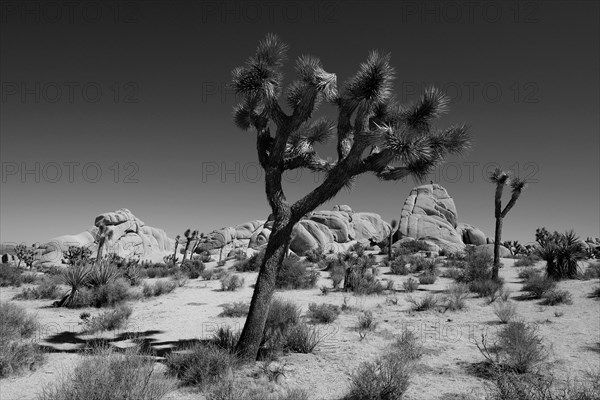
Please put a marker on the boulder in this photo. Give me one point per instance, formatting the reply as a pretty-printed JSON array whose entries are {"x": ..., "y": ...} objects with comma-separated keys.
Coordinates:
[
  {"x": 470, "y": 234},
  {"x": 489, "y": 249},
  {"x": 308, "y": 234},
  {"x": 338, "y": 222},
  {"x": 371, "y": 227}
]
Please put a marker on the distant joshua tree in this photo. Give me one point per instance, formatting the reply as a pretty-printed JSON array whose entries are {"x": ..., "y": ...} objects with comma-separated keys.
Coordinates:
[
  {"x": 374, "y": 134},
  {"x": 394, "y": 224},
  {"x": 501, "y": 179},
  {"x": 104, "y": 234},
  {"x": 190, "y": 236},
  {"x": 175, "y": 251}
]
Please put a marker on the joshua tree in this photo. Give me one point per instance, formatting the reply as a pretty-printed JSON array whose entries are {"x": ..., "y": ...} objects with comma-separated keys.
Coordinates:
[
  {"x": 104, "y": 234},
  {"x": 76, "y": 254},
  {"x": 175, "y": 251},
  {"x": 190, "y": 237},
  {"x": 374, "y": 134},
  {"x": 20, "y": 252},
  {"x": 501, "y": 179},
  {"x": 394, "y": 224}
]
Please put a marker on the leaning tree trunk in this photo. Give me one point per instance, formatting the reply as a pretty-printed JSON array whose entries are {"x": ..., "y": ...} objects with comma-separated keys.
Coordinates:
[
  {"x": 497, "y": 239},
  {"x": 252, "y": 334}
]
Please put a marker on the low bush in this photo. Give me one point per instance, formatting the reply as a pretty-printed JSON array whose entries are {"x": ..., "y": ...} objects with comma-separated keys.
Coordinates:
[
  {"x": 591, "y": 272},
  {"x": 385, "y": 378},
  {"x": 477, "y": 266},
  {"x": 555, "y": 297},
  {"x": 456, "y": 297},
  {"x": 410, "y": 285},
  {"x": 400, "y": 266},
  {"x": 366, "y": 321},
  {"x": 453, "y": 273},
  {"x": 231, "y": 283},
  {"x": 193, "y": 268},
  {"x": 528, "y": 260},
  {"x": 108, "y": 375},
  {"x": 10, "y": 276},
  {"x": 323, "y": 313},
  {"x": 302, "y": 338},
  {"x": 485, "y": 288},
  {"x": 519, "y": 348},
  {"x": 337, "y": 270},
  {"x": 109, "y": 320},
  {"x": 46, "y": 290},
  {"x": 427, "y": 302},
  {"x": 427, "y": 279},
  {"x": 237, "y": 390},
  {"x": 158, "y": 288},
  {"x": 17, "y": 351},
  {"x": 251, "y": 264},
  {"x": 235, "y": 310},
  {"x": 315, "y": 255},
  {"x": 407, "y": 248},
  {"x": 201, "y": 364},
  {"x": 527, "y": 273},
  {"x": 296, "y": 274},
  {"x": 110, "y": 294},
  {"x": 409, "y": 344},
  {"x": 537, "y": 286},
  {"x": 505, "y": 311},
  {"x": 159, "y": 270},
  {"x": 226, "y": 339}
]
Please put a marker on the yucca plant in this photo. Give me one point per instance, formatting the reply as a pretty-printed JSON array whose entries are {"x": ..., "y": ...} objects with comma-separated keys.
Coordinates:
[
  {"x": 102, "y": 274},
  {"x": 75, "y": 277},
  {"x": 374, "y": 134},
  {"x": 561, "y": 251},
  {"x": 501, "y": 179}
]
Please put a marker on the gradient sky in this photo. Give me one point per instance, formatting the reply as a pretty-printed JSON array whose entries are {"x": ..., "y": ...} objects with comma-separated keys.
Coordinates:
[{"x": 140, "y": 89}]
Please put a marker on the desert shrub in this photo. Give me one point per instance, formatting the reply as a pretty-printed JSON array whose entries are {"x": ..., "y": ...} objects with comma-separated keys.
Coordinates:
[
  {"x": 283, "y": 314},
  {"x": 109, "y": 294},
  {"x": 193, "y": 268},
  {"x": 528, "y": 260},
  {"x": 315, "y": 255},
  {"x": 108, "y": 375},
  {"x": 561, "y": 251},
  {"x": 206, "y": 257},
  {"x": 519, "y": 348},
  {"x": 109, "y": 320},
  {"x": 17, "y": 351},
  {"x": 29, "y": 277},
  {"x": 366, "y": 321},
  {"x": 10, "y": 276},
  {"x": 536, "y": 286},
  {"x": 231, "y": 283},
  {"x": 200, "y": 364},
  {"x": 485, "y": 288},
  {"x": 251, "y": 264},
  {"x": 554, "y": 297},
  {"x": 407, "y": 248},
  {"x": 158, "y": 288},
  {"x": 456, "y": 297},
  {"x": 453, "y": 273},
  {"x": 400, "y": 266},
  {"x": 527, "y": 273},
  {"x": 337, "y": 270},
  {"x": 422, "y": 264},
  {"x": 180, "y": 278},
  {"x": 102, "y": 274},
  {"x": 45, "y": 290},
  {"x": 385, "y": 378},
  {"x": 235, "y": 310},
  {"x": 226, "y": 339},
  {"x": 410, "y": 285},
  {"x": 159, "y": 270},
  {"x": 505, "y": 311},
  {"x": 323, "y": 313},
  {"x": 408, "y": 344},
  {"x": 427, "y": 302},
  {"x": 296, "y": 274},
  {"x": 477, "y": 266},
  {"x": 133, "y": 273},
  {"x": 237, "y": 390},
  {"x": 591, "y": 272},
  {"x": 427, "y": 279},
  {"x": 302, "y": 338}
]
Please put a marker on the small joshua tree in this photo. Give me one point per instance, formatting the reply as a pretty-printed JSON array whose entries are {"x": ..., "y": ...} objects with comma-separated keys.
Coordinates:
[
  {"x": 175, "y": 250},
  {"x": 76, "y": 254},
  {"x": 104, "y": 234},
  {"x": 190, "y": 237},
  {"x": 375, "y": 134},
  {"x": 501, "y": 179},
  {"x": 390, "y": 238},
  {"x": 20, "y": 252}
]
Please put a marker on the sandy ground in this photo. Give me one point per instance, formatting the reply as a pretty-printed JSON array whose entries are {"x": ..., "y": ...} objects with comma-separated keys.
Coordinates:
[{"x": 191, "y": 312}]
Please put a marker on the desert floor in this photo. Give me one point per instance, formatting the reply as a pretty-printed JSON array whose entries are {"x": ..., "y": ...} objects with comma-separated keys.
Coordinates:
[{"x": 444, "y": 372}]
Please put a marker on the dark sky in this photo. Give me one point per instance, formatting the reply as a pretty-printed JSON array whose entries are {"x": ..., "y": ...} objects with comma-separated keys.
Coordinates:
[{"x": 124, "y": 104}]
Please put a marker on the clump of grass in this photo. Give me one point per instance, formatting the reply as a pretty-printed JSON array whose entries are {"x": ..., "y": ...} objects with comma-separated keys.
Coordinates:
[
  {"x": 537, "y": 286},
  {"x": 323, "y": 313},
  {"x": 528, "y": 260},
  {"x": 505, "y": 311},
  {"x": 107, "y": 375},
  {"x": 385, "y": 378},
  {"x": 527, "y": 273},
  {"x": 159, "y": 287},
  {"x": 408, "y": 343},
  {"x": 296, "y": 274},
  {"x": 265, "y": 390},
  {"x": 109, "y": 320},
  {"x": 231, "y": 282},
  {"x": 428, "y": 302},
  {"x": 410, "y": 285},
  {"x": 366, "y": 321},
  {"x": 456, "y": 298},
  {"x": 201, "y": 364},
  {"x": 226, "y": 339},
  {"x": 17, "y": 350},
  {"x": 235, "y": 310},
  {"x": 10, "y": 276},
  {"x": 302, "y": 338},
  {"x": 554, "y": 297}
]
